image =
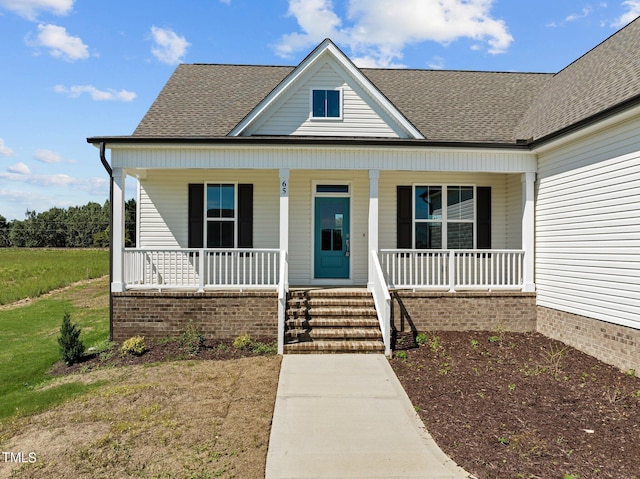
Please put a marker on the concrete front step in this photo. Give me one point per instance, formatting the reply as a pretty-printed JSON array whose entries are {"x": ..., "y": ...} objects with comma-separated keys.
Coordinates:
[{"x": 328, "y": 346}]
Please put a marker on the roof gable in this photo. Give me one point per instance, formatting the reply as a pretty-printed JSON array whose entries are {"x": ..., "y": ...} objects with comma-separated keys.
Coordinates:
[{"x": 326, "y": 65}]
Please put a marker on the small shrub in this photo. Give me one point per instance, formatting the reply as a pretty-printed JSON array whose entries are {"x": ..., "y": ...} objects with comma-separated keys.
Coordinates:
[
  {"x": 264, "y": 348},
  {"x": 71, "y": 348},
  {"x": 421, "y": 339},
  {"x": 474, "y": 343},
  {"x": 401, "y": 355},
  {"x": 134, "y": 345},
  {"x": 192, "y": 340},
  {"x": 242, "y": 342}
]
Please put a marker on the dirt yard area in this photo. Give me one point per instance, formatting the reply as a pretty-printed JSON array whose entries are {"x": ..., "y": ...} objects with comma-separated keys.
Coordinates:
[
  {"x": 195, "y": 419},
  {"x": 522, "y": 406}
]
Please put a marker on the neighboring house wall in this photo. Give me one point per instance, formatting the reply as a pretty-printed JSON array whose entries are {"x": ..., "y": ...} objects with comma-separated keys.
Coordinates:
[{"x": 587, "y": 261}]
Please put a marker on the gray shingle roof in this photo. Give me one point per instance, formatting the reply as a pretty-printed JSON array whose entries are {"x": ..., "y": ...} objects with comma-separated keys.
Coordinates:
[
  {"x": 457, "y": 106},
  {"x": 603, "y": 78}
]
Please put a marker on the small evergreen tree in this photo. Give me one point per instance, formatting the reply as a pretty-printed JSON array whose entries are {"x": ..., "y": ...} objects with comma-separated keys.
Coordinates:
[{"x": 71, "y": 348}]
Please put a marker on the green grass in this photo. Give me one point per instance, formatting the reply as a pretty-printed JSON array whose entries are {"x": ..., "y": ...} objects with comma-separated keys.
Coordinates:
[
  {"x": 29, "y": 346},
  {"x": 29, "y": 272}
]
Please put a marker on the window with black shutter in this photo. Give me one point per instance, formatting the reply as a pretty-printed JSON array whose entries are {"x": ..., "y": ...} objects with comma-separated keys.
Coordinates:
[
  {"x": 443, "y": 217},
  {"x": 220, "y": 215}
]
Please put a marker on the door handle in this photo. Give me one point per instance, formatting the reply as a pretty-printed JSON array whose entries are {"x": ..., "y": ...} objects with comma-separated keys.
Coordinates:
[{"x": 348, "y": 247}]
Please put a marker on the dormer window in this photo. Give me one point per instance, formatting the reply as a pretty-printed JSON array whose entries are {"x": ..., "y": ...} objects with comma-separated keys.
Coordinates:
[{"x": 326, "y": 104}]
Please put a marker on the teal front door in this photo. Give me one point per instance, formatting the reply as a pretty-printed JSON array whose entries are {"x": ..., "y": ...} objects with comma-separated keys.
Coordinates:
[{"x": 332, "y": 238}]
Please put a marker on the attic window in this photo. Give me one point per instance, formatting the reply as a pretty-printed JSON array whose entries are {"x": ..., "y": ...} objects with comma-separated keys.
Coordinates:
[{"x": 326, "y": 104}]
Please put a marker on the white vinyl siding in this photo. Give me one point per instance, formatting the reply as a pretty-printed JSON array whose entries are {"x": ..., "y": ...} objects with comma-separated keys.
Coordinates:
[
  {"x": 500, "y": 228},
  {"x": 164, "y": 205},
  {"x": 588, "y": 227},
  {"x": 360, "y": 117}
]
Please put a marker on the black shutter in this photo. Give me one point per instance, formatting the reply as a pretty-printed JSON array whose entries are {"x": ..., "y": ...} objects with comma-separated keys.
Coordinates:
[
  {"x": 245, "y": 216},
  {"x": 404, "y": 217},
  {"x": 484, "y": 217},
  {"x": 196, "y": 216}
]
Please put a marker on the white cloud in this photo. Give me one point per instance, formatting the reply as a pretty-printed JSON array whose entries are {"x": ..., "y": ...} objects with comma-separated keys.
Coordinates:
[
  {"x": 97, "y": 186},
  {"x": 5, "y": 150},
  {"x": 109, "y": 94},
  {"x": 19, "y": 169},
  {"x": 29, "y": 8},
  {"x": 586, "y": 11},
  {"x": 437, "y": 63},
  {"x": 379, "y": 30},
  {"x": 60, "y": 43},
  {"x": 169, "y": 47},
  {"x": 48, "y": 156},
  {"x": 629, "y": 16}
]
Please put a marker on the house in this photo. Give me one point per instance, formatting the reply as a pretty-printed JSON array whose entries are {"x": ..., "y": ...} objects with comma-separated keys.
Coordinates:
[{"x": 457, "y": 199}]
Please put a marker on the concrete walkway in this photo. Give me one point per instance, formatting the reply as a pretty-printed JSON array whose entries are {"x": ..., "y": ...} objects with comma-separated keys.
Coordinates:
[{"x": 347, "y": 416}]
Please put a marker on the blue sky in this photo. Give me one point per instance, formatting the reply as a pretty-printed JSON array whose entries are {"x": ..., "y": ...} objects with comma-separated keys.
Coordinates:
[{"x": 78, "y": 68}]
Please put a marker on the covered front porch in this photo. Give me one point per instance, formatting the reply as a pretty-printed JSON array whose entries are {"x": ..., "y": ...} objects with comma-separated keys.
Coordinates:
[{"x": 288, "y": 227}]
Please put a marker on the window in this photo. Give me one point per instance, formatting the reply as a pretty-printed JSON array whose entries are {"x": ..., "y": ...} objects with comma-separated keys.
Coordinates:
[
  {"x": 444, "y": 217},
  {"x": 221, "y": 216},
  {"x": 326, "y": 104}
]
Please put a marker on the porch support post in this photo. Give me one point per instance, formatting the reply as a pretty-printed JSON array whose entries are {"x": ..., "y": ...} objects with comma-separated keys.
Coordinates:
[
  {"x": 374, "y": 176},
  {"x": 284, "y": 209},
  {"x": 117, "y": 209},
  {"x": 528, "y": 230}
]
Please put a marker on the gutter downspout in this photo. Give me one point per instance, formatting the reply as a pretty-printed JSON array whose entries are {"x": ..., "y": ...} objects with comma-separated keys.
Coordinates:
[{"x": 107, "y": 167}]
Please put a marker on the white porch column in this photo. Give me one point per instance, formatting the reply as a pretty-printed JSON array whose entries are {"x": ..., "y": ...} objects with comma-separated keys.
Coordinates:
[
  {"x": 528, "y": 230},
  {"x": 117, "y": 235},
  {"x": 284, "y": 209},
  {"x": 374, "y": 176}
]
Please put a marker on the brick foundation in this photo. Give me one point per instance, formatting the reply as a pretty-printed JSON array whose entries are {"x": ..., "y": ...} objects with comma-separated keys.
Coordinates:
[
  {"x": 464, "y": 311},
  {"x": 217, "y": 315},
  {"x": 610, "y": 343}
]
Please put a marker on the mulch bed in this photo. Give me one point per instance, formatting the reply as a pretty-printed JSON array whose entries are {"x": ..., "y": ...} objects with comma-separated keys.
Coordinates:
[
  {"x": 520, "y": 405},
  {"x": 157, "y": 351}
]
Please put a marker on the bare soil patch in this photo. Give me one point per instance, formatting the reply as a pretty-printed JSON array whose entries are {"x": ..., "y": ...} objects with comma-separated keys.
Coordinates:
[
  {"x": 196, "y": 419},
  {"x": 520, "y": 405}
]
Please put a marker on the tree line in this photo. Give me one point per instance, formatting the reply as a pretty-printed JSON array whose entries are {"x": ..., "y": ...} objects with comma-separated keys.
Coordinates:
[{"x": 75, "y": 227}]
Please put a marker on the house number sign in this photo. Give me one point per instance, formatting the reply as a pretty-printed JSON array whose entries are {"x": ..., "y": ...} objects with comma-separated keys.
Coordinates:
[{"x": 284, "y": 187}]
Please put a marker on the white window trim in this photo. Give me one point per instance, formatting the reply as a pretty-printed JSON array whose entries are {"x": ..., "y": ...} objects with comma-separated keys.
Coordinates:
[
  {"x": 326, "y": 118},
  {"x": 235, "y": 211},
  {"x": 445, "y": 210}
]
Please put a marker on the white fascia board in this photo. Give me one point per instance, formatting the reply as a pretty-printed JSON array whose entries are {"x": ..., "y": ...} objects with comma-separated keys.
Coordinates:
[{"x": 326, "y": 47}]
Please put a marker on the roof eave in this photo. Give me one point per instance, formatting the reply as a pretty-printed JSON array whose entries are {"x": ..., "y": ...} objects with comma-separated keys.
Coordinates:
[{"x": 300, "y": 141}]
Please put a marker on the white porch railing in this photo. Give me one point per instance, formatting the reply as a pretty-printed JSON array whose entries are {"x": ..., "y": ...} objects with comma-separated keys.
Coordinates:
[
  {"x": 382, "y": 300},
  {"x": 201, "y": 268},
  {"x": 283, "y": 289},
  {"x": 453, "y": 269}
]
